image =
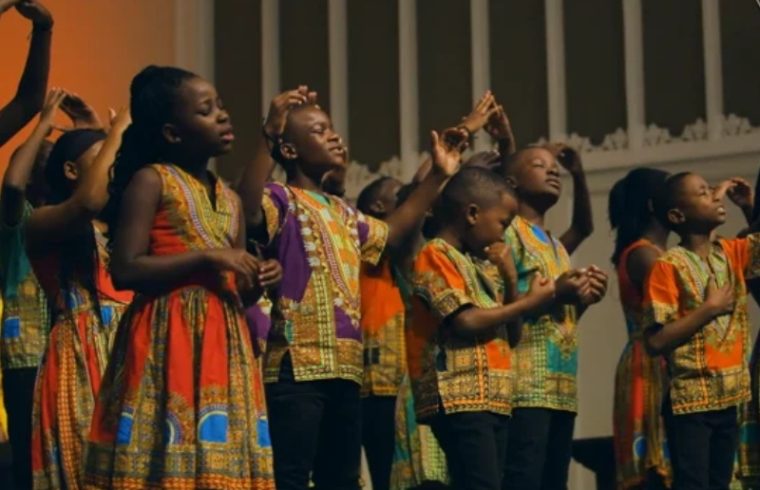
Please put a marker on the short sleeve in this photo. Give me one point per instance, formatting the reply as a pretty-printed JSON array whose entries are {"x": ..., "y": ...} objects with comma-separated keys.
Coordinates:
[
  {"x": 744, "y": 253},
  {"x": 661, "y": 295},
  {"x": 373, "y": 236},
  {"x": 438, "y": 282},
  {"x": 274, "y": 204},
  {"x": 512, "y": 239}
]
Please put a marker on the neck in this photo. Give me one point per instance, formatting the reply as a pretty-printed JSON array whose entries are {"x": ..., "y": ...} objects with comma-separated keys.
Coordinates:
[
  {"x": 195, "y": 166},
  {"x": 531, "y": 213},
  {"x": 303, "y": 181},
  {"x": 450, "y": 236},
  {"x": 699, "y": 243},
  {"x": 657, "y": 234}
]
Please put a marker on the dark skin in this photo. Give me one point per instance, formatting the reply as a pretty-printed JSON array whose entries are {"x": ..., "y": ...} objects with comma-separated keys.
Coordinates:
[
  {"x": 30, "y": 95},
  {"x": 199, "y": 130},
  {"x": 475, "y": 231},
  {"x": 385, "y": 203},
  {"x": 22, "y": 165},
  {"x": 698, "y": 212},
  {"x": 312, "y": 148}
]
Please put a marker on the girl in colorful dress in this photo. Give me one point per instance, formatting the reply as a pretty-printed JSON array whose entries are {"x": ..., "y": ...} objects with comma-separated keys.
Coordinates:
[
  {"x": 184, "y": 406},
  {"x": 639, "y": 434},
  {"x": 66, "y": 246}
]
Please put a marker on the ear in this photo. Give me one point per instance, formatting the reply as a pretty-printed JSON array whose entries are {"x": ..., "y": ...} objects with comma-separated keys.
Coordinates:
[
  {"x": 472, "y": 213},
  {"x": 288, "y": 151},
  {"x": 676, "y": 216},
  {"x": 171, "y": 134},
  {"x": 511, "y": 181},
  {"x": 377, "y": 207},
  {"x": 70, "y": 170}
]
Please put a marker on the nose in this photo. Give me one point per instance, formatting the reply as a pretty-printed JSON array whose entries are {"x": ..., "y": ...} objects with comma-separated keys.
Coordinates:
[
  {"x": 334, "y": 137},
  {"x": 223, "y": 116},
  {"x": 554, "y": 169}
]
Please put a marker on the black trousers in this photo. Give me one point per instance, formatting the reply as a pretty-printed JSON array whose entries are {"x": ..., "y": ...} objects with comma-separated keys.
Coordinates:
[
  {"x": 702, "y": 448},
  {"x": 315, "y": 427},
  {"x": 378, "y": 437},
  {"x": 539, "y": 450},
  {"x": 475, "y": 444},
  {"x": 18, "y": 390}
]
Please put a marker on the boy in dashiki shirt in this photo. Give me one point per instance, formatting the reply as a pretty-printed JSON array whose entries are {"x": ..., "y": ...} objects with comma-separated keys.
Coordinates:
[
  {"x": 696, "y": 312},
  {"x": 545, "y": 394},
  {"x": 458, "y": 346},
  {"x": 313, "y": 365}
]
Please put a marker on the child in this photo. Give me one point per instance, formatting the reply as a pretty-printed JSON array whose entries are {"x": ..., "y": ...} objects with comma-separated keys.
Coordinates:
[
  {"x": 545, "y": 398},
  {"x": 639, "y": 434},
  {"x": 313, "y": 365},
  {"x": 66, "y": 246},
  {"x": 697, "y": 317},
  {"x": 30, "y": 95},
  {"x": 458, "y": 349},
  {"x": 184, "y": 406}
]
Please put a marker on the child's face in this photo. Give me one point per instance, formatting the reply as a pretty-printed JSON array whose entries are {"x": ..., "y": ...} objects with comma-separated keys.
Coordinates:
[
  {"x": 312, "y": 140},
  {"x": 537, "y": 174},
  {"x": 488, "y": 224},
  {"x": 699, "y": 209},
  {"x": 201, "y": 124}
]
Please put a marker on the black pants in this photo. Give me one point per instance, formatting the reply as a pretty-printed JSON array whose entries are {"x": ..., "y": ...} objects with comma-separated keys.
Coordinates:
[
  {"x": 378, "y": 437},
  {"x": 475, "y": 444},
  {"x": 539, "y": 450},
  {"x": 18, "y": 390},
  {"x": 315, "y": 428},
  {"x": 702, "y": 448}
]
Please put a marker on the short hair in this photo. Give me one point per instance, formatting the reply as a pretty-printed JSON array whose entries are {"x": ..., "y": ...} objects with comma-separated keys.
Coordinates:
[
  {"x": 509, "y": 162},
  {"x": 668, "y": 196},
  {"x": 370, "y": 194},
  {"x": 472, "y": 185}
]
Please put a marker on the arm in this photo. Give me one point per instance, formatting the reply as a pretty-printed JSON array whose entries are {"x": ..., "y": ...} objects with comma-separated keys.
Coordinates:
[
  {"x": 582, "y": 224},
  {"x": 131, "y": 265},
  {"x": 407, "y": 217},
  {"x": 638, "y": 265},
  {"x": 59, "y": 221},
  {"x": 21, "y": 165},
  {"x": 255, "y": 175},
  {"x": 661, "y": 339},
  {"x": 30, "y": 94},
  {"x": 500, "y": 129}
]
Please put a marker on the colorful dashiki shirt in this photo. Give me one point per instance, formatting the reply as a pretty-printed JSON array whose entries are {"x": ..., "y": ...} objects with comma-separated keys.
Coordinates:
[
  {"x": 638, "y": 428},
  {"x": 321, "y": 242},
  {"x": 546, "y": 359},
  {"x": 709, "y": 371},
  {"x": 382, "y": 322},
  {"x": 182, "y": 404},
  {"x": 449, "y": 371},
  {"x": 26, "y": 321}
]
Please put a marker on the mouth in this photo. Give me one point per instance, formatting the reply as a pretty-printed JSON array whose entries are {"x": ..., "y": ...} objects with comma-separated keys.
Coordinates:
[
  {"x": 339, "y": 150},
  {"x": 555, "y": 183},
  {"x": 227, "y": 135},
  {"x": 721, "y": 211}
]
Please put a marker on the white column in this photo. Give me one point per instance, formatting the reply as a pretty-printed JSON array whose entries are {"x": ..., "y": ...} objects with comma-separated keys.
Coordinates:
[
  {"x": 338, "y": 55},
  {"x": 555, "y": 69},
  {"x": 408, "y": 95},
  {"x": 270, "y": 52},
  {"x": 713, "y": 68},
  {"x": 634, "y": 73},
  {"x": 481, "y": 61},
  {"x": 194, "y": 36}
]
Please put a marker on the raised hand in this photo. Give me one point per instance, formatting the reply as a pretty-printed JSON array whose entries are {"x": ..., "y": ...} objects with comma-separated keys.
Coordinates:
[
  {"x": 36, "y": 12},
  {"x": 720, "y": 300},
  {"x": 480, "y": 114},
  {"x": 281, "y": 105},
  {"x": 445, "y": 159},
  {"x": 7, "y": 4},
  {"x": 566, "y": 156},
  {"x": 82, "y": 115},
  {"x": 456, "y": 138},
  {"x": 54, "y": 99},
  {"x": 741, "y": 193},
  {"x": 118, "y": 121},
  {"x": 500, "y": 129}
]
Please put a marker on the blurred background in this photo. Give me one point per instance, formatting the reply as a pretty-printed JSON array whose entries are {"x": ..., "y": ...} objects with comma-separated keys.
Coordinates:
[{"x": 668, "y": 83}]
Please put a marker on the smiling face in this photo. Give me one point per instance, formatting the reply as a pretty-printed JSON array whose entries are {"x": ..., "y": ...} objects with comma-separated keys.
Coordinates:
[
  {"x": 311, "y": 141},
  {"x": 697, "y": 208},
  {"x": 535, "y": 176},
  {"x": 199, "y": 121}
]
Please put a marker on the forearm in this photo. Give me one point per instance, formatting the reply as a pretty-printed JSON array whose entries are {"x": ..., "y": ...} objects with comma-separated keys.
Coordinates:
[
  {"x": 669, "y": 336},
  {"x": 17, "y": 176},
  {"x": 476, "y": 321},
  {"x": 156, "y": 273},
  {"x": 582, "y": 224},
  {"x": 252, "y": 182},
  {"x": 91, "y": 195},
  {"x": 408, "y": 216}
]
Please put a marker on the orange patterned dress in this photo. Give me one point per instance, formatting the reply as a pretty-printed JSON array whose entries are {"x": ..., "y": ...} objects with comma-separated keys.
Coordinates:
[
  {"x": 70, "y": 376},
  {"x": 184, "y": 406}
]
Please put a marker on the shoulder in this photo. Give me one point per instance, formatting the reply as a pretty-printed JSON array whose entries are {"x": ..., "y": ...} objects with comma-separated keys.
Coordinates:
[{"x": 149, "y": 178}]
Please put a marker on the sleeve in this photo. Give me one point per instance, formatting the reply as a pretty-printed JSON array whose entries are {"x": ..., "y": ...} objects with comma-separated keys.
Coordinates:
[
  {"x": 438, "y": 282},
  {"x": 744, "y": 254},
  {"x": 274, "y": 204},
  {"x": 524, "y": 275},
  {"x": 373, "y": 236},
  {"x": 661, "y": 296},
  {"x": 14, "y": 264}
]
